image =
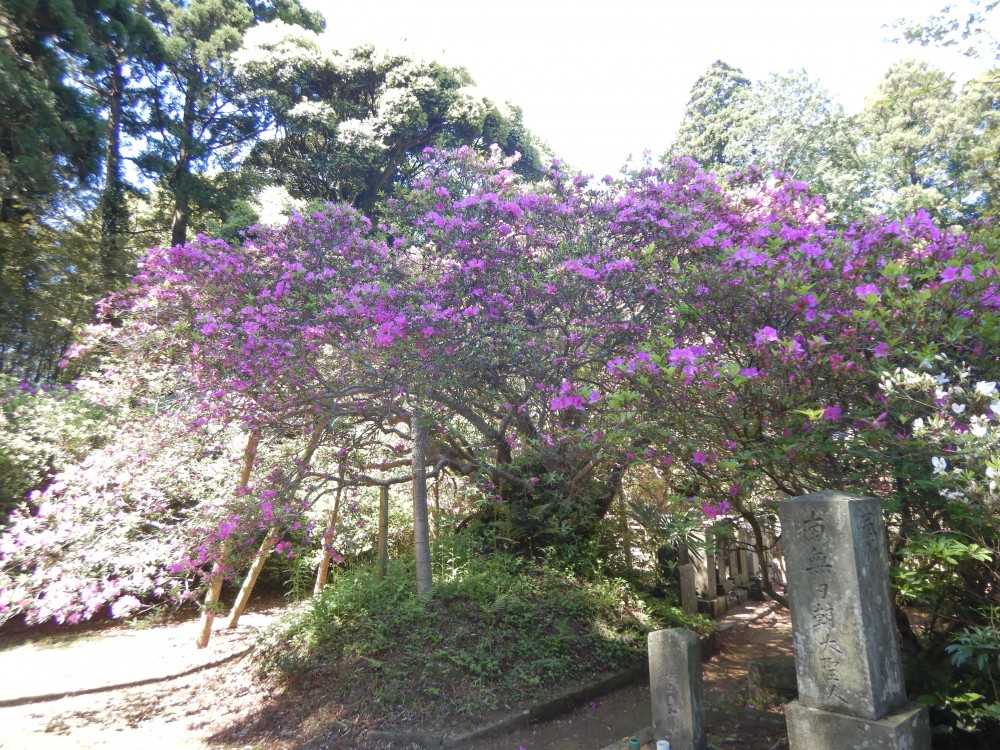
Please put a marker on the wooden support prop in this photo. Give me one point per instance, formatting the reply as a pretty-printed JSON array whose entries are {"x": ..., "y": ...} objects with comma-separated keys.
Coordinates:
[
  {"x": 218, "y": 570},
  {"x": 319, "y": 430},
  {"x": 421, "y": 530},
  {"x": 248, "y": 583},
  {"x": 323, "y": 572},
  {"x": 383, "y": 531}
]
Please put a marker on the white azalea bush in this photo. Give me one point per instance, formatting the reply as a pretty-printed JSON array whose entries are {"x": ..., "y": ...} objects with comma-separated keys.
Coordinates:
[{"x": 43, "y": 429}]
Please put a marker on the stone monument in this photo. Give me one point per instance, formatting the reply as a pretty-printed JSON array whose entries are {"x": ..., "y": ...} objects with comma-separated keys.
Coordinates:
[
  {"x": 675, "y": 689},
  {"x": 847, "y": 661}
]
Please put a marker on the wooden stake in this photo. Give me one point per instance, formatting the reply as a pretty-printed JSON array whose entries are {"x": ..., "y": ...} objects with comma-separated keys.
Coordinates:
[
  {"x": 218, "y": 570},
  {"x": 323, "y": 573},
  {"x": 383, "y": 531},
  {"x": 421, "y": 531},
  {"x": 248, "y": 583},
  {"x": 319, "y": 430}
]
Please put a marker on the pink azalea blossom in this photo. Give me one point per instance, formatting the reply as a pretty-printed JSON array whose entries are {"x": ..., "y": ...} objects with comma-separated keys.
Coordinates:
[{"x": 765, "y": 334}]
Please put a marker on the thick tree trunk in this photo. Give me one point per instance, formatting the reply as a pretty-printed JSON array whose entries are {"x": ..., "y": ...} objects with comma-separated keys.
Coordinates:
[
  {"x": 767, "y": 585},
  {"x": 421, "y": 527},
  {"x": 182, "y": 208},
  {"x": 218, "y": 570},
  {"x": 383, "y": 531},
  {"x": 180, "y": 181},
  {"x": 114, "y": 212}
]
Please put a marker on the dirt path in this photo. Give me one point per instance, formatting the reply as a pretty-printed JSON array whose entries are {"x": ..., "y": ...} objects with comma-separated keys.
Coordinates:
[
  {"x": 733, "y": 717},
  {"x": 189, "y": 696},
  {"x": 126, "y": 687}
]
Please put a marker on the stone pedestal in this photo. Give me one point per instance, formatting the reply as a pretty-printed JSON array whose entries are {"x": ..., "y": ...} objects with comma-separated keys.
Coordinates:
[
  {"x": 675, "y": 688},
  {"x": 714, "y": 608},
  {"x": 904, "y": 729}
]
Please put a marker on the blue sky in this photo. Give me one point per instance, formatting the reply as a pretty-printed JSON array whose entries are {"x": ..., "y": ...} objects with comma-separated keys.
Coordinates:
[{"x": 599, "y": 81}]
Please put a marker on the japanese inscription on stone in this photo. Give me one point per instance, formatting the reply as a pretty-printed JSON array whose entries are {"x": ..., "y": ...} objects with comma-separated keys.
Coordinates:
[{"x": 844, "y": 633}]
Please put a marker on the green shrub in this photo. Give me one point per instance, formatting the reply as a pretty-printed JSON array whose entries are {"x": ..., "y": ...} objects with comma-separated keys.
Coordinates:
[{"x": 498, "y": 630}]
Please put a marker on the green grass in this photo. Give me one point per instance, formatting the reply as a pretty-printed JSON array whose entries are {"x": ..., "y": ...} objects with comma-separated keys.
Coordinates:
[{"x": 497, "y": 633}]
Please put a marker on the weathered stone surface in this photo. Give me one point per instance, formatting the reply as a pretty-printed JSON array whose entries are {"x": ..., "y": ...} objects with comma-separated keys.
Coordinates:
[
  {"x": 711, "y": 577},
  {"x": 689, "y": 588},
  {"x": 775, "y": 674},
  {"x": 742, "y": 557},
  {"x": 734, "y": 565},
  {"x": 707, "y": 574},
  {"x": 675, "y": 688},
  {"x": 714, "y": 608},
  {"x": 844, "y": 633},
  {"x": 815, "y": 729}
]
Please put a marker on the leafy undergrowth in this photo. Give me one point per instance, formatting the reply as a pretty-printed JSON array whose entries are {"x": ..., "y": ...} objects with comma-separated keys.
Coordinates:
[{"x": 496, "y": 635}]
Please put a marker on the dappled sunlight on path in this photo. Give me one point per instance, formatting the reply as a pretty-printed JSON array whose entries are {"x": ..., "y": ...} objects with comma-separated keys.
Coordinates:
[{"x": 125, "y": 656}]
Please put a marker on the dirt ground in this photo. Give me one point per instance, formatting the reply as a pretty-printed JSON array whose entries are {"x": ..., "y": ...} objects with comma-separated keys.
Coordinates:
[
  {"x": 210, "y": 699},
  {"x": 733, "y": 717}
]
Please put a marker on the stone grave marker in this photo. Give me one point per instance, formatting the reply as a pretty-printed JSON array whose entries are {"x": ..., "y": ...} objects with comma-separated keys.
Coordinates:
[
  {"x": 689, "y": 588},
  {"x": 711, "y": 572},
  {"x": 847, "y": 661},
  {"x": 675, "y": 689}
]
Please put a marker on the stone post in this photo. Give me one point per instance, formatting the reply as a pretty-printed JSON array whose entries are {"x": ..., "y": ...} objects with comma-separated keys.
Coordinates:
[
  {"x": 742, "y": 556},
  {"x": 711, "y": 574},
  {"x": 675, "y": 689},
  {"x": 847, "y": 661},
  {"x": 689, "y": 588},
  {"x": 750, "y": 555}
]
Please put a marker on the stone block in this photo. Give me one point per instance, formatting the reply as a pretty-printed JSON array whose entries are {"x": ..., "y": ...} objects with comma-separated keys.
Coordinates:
[
  {"x": 675, "y": 688},
  {"x": 906, "y": 728},
  {"x": 774, "y": 674},
  {"x": 714, "y": 608},
  {"x": 844, "y": 632}
]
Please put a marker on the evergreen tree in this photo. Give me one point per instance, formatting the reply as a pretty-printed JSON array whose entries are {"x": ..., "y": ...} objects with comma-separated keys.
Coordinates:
[
  {"x": 198, "y": 117},
  {"x": 123, "y": 40},
  {"x": 50, "y": 130},
  {"x": 791, "y": 124},
  {"x": 717, "y": 104},
  {"x": 911, "y": 131}
]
